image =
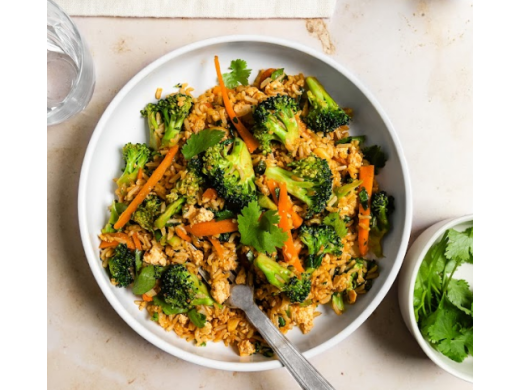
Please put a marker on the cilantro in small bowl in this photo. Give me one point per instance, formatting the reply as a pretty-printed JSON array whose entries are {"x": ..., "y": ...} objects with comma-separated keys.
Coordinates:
[{"x": 436, "y": 295}]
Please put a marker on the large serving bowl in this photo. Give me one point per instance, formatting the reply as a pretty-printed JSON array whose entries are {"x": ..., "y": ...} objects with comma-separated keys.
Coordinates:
[{"x": 121, "y": 123}]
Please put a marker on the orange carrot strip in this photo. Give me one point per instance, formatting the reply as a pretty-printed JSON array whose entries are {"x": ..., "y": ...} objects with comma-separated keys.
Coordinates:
[
  {"x": 271, "y": 184},
  {"x": 213, "y": 228},
  {"x": 149, "y": 185},
  {"x": 124, "y": 237},
  {"x": 265, "y": 74},
  {"x": 290, "y": 254},
  {"x": 295, "y": 217},
  {"x": 147, "y": 298},
  {"x": 140, "y": 174},
  {"x": 366, "y": 174},
  {"x": 218, "y": 247},
  {"x": 106, "y": 244},
  {"x": 137, "y": 243},
  {"x": 181, "y": 234},
  {"x": 248, "y": 138},
  {"x": 210, "y": 193}
]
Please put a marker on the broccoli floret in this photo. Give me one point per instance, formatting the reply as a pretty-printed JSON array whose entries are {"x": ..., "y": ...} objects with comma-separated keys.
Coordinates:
[
  {"x": 296, "y": 289},
  {"x": 150, "y": 112},
  {"x": 183, "y": 290},
  {"x": 320, "y": 240},
  {"x": 324, "y": 113},
  {"x": 135, "y": 156},
  {"x": 231, "y": 173},
  {"x": 310, "y": 181},
  {"x": 275, "y": 121},
  {"x": 115, "y": 211},
  {"x": 121, "y": 266},
  {"x": 381, "y": 207},
  {"x": 170, "y": 211},
  {"x": 188, "y": 188},
  {"x": 172, "y": 112},
  {"x": 147, "y": 212}
]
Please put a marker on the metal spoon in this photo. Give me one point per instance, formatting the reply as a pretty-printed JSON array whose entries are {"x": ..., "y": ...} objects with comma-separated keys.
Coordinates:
[{"x": 300, "y": 368}]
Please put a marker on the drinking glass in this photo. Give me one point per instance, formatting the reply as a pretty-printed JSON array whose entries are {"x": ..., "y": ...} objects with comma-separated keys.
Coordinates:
[{"x": 70, "y": 69}]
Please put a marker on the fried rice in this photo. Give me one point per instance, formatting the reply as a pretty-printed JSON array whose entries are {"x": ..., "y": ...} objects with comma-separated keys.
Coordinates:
[{"x": 224, "y": 324}]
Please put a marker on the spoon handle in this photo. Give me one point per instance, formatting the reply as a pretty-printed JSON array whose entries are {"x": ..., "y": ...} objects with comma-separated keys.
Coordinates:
[{"x": 305, "y": 374}]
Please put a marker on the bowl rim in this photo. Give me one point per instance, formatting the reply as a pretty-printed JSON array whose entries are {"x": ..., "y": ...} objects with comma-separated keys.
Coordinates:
[
  {"x": 92, "y": 257},
  {"x": 434, "y": 356}
]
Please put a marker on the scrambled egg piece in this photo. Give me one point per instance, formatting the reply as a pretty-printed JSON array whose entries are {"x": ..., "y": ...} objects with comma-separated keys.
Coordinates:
[
  {"x": 303, "y": 317},
  {"x": 196, "y": 255},
  {"x": 245, "y": 348},
  {"x": 155, "y": 256},
  {"x": 220, "y": 290},
  {"x": 203, "y": 215}
]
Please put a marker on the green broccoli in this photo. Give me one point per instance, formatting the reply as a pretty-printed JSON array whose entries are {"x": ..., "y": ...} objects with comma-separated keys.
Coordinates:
[
  {"x": 231, "y": 173},
  {"x": 324, "y": 113},
  {"x": 115, "y": 211},
  {"x": 183, "y": 290},
  {"x": 187, "y": 187},
  {"x": 381, "y": 207},
  {"x": 173, "y": 110},
  {"x": 151, "y": 112},
  {"x": 122, "y": 266},
  {"x": 296, "y": 289},
  {"x": 135, "y": 156},
  {"x": 171, "y": 210},
  {"x": 310, "y": 181},
  {"x": 320, "y": 240},
  {"x": 147, "y": 212},
  {"x": 276, "y": 121}
]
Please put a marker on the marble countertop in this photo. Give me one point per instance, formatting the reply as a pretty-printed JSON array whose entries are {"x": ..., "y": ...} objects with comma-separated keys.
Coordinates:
[{"x": 415, "y": 56}]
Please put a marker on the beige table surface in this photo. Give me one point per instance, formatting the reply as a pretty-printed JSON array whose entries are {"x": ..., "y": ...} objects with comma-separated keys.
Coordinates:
[{"x": 416, "y": 57}]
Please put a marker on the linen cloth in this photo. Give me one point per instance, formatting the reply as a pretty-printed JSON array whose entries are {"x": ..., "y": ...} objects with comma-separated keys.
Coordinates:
[{"x": 235, "y": 9}]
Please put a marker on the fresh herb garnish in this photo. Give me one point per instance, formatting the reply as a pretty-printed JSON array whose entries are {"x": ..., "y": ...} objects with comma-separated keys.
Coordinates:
[
  {"x": 443, "y": 306},
  {"x": 260, "y": 230},
  {"x": 239, "y": 74},
  {"x": 201, "y": 141}
]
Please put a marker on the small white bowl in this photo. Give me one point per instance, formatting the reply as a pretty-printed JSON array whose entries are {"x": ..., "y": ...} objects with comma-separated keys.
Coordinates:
[{"x": 407, "y": 277}]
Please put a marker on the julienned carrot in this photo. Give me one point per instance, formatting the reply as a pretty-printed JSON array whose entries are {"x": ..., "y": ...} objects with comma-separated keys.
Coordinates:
[
  {"x": 149, "y": 185},
  {"x": 218, "y": 247},
  {"x": 271, "y": 184},
  {"x": 106, "y": 244},
  {"x": 181, "y": 234},
  {"x": 265, "y": 74},
  {"x": 290, "y": 253},
  {"x": 248, "y": 138},
  {"x": 140, "y": 174},
  {"x": 118, "y": 237},
  {"x": 137, "y": 243},
  {"x": 295, "y": 218},
  {"x": 366, "y": 174},
  {"x": 210, "y": 193},
  {"x": 147, "y": 298},
  {"x": 213, "y": 228}
]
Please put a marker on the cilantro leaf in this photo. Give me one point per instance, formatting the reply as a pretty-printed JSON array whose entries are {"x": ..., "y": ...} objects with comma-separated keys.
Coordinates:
[
  {"x": 460, "y": 245},
  {"x": 459, "y": 347},
  {"x": 201, "y": 141},
  {"x": 460, "y": 295},
  {"x": 238, "y": 74},
  {"x": 260, "y": 231},
  {"x": 334, "y": 220}
]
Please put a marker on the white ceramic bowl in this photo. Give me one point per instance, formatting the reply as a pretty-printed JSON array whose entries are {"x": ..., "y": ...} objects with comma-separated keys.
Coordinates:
[
  {"x": 121, "y": 123},
  {"x": 407, "y": 278}
]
